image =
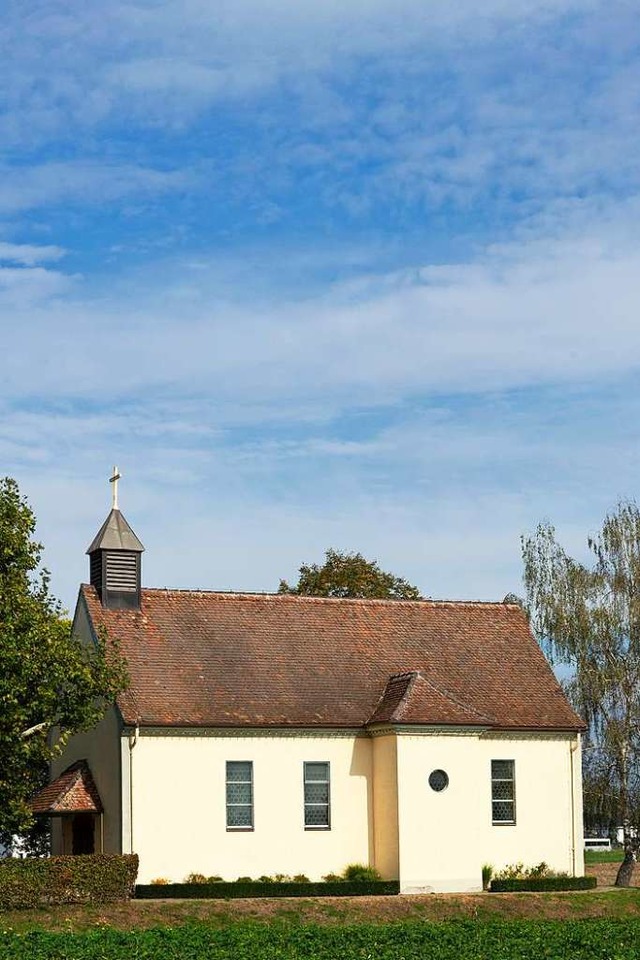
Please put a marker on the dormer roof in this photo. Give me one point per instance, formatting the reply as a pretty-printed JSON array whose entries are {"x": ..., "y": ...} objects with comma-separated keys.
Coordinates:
[{"x": 412, "y": 698}]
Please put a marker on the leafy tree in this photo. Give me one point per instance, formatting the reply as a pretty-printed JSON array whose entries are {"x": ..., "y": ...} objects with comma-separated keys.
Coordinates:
[
  {"x": 588, "y": 616},
  {"x": 50, "y": 685},
  {"x": 349, "y": 575}
]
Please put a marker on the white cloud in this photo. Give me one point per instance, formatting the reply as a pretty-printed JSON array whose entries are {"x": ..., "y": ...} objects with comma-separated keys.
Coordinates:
[
  {"x": 29, "y": 255},
  {"x": 82, "y": 181},
  {"x": 392, "y": 415},
  {"x": 556, "y": 311},
  {"x": 22, "y": 287}
]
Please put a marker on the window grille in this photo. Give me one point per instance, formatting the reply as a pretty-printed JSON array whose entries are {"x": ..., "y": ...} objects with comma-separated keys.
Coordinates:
[
  {"x": 239, "y": 795},
  {"x": 317, "y": 796},
  {"x": 503, "y": 791}
]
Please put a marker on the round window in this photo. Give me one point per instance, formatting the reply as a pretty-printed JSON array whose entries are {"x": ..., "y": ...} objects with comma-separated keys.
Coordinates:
[{"x": 438, "y": 780}]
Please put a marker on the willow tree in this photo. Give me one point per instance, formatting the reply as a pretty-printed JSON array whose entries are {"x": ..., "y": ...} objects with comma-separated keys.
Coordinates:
[
  {"x": 50, "y": 686},
  {"x": 587, "y": 615}
]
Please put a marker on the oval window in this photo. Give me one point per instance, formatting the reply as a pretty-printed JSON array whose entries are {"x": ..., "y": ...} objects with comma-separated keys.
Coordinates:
[{"x": 438, "y": 780}]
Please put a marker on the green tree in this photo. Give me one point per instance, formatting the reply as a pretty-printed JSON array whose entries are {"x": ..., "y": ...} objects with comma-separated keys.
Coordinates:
[
  {"x": 588, "y": 616},
  {"x": 349, "y": 575},
  {"x": 50, "y": 685}
]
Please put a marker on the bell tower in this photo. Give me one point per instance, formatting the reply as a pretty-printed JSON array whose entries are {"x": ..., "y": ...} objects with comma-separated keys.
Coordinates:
[{"x": 115, "y": 559}]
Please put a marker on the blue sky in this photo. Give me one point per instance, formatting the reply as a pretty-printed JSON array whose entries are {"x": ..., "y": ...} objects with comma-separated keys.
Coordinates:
[{"x": 357, "y": 275}]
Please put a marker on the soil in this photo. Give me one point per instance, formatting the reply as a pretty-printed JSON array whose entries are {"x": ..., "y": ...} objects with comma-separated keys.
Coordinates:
[{"x": 607, "y": 872}]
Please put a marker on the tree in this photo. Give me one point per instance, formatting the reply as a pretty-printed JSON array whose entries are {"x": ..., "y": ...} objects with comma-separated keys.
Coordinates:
[
  {"x": 349, "y": 575},
  {"x": 50, "y": 685},
  {"x": 588, "y": 616}
]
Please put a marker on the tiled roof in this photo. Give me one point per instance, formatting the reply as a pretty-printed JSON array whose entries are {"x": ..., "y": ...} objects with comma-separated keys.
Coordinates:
[
  {"x": 74, "y": 791},
  {"x": 222, "y": 659}
]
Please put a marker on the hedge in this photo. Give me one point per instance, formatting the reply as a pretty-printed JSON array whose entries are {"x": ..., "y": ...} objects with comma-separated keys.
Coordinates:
[
  {"x": 95, "y": 878},
  {"x": 532, "y": 884},
  {"x": 223, "y": 890}
]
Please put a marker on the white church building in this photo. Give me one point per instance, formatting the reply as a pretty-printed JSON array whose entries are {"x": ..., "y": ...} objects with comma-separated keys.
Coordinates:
[{"x": 266, "y": 733}]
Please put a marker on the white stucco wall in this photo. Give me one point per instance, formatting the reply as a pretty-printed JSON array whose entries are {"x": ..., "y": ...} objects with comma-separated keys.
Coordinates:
[
  {"x": 445, "y": 838},
  {"x": 178, "y": 815},
  {"x": 383, "y": 811}
]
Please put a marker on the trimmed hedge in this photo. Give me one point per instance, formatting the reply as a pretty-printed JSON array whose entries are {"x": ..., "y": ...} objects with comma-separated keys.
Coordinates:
[
  {"x": 95, "y": 878},
  {"x": 532, "y": 884},
  {"x": 234, "y": 890}
]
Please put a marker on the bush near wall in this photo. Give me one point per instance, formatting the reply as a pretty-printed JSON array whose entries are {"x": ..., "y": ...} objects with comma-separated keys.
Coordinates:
[
  {"x": 95, "y": 878},
  {"x": 223, "y": 891},
  {"x": 533, "y": 884}
]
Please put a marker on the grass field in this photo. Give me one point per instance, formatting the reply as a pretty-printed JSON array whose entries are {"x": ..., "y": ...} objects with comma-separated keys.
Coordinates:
[
  {"x": 280, "y": 940},
  {"x": 603, "y": 856},
  {"x": 582, "y": 925}
]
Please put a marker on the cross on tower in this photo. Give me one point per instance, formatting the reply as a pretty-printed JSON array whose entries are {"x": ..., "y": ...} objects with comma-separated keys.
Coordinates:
[{"x": 114, "y": 493}]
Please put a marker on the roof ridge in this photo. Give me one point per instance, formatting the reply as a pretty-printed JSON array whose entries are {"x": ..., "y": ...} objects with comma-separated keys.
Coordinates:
[{"x": 298, "y": 598}]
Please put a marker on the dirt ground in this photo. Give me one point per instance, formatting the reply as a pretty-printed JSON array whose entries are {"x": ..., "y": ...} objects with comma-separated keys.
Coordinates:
[
  {"x": 607, "y": 872},
  {"x": 603, "y": 902},
  {"x": 432, "y": 907}
]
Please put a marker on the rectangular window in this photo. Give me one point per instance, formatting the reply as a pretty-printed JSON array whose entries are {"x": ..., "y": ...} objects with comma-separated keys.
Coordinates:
[
  {"x": 503, "y": 791},
  {"x": 316, "y": 796},
  {"x": 239, "y": 795}
]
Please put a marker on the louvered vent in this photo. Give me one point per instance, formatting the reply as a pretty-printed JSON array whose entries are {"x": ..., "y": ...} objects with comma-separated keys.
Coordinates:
[
  {"x": 122, "y": 572},
  {"x": 95, "y": 570}
]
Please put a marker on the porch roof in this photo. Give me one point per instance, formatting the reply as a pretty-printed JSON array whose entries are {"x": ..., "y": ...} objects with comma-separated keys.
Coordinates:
[{"x": 74, "y": 791}]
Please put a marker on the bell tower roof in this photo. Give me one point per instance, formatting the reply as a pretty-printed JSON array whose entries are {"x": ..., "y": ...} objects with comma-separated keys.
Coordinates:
[
  {"x": 115, "y": 559},
  {"x": 115, "y": 534}
]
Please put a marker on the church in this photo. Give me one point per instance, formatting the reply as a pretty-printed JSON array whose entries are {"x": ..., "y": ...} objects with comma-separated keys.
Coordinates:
[{"x": 267, "y": 733}]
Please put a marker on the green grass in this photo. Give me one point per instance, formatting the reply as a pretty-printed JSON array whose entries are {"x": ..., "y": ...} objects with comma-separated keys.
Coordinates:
[
  {"x": 407, "y": 940},
  {"x": 603, "y": 856}
]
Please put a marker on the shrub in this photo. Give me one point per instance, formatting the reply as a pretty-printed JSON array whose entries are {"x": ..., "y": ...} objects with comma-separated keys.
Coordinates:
[
  {"x": 301, "y": 878},
  {"x": 265, "y": 879},
  {"x": 515, "y": 871},
  {"x": 359, "y": 873},
  {"x": 195, "y": 878},
  {"x": 540, "y": 884},
  {"x": 214, "y": 880},
  {"x": 487, "y": 873},
  {"x": 218, "y": 891},
  {"x": 96, "y": 878},
  {"x": 332, "y": 878},
  {"x": 518, "y": 871},
  {"x": 159, "y": 881},
  {"x": 244, "y": 880}
]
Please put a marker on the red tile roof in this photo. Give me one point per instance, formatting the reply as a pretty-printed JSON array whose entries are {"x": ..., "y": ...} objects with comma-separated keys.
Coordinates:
[
  {"x": 74, "y": 791},
  {"x": 222, "y": 659}
]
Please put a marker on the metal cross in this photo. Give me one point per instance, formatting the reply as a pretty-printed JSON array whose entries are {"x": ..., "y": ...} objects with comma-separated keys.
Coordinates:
[{"x": 114, "y": 493}]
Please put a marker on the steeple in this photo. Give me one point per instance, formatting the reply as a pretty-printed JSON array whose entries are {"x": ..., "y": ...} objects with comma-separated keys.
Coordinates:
[{"x": 115, "y": 559}]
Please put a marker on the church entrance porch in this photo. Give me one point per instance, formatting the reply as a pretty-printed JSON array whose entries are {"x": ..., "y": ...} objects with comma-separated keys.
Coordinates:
[{"x": 73, "y": 802}]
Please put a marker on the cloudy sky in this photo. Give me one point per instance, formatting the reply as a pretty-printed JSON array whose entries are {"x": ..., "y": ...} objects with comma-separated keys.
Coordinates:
[{"x": 351, "y": 274}]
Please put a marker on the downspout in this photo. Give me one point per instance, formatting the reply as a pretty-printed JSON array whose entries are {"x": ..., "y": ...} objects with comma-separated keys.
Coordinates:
[
  {"x": 573, "y": 746},
  {"x": 133, "y": 739}
]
